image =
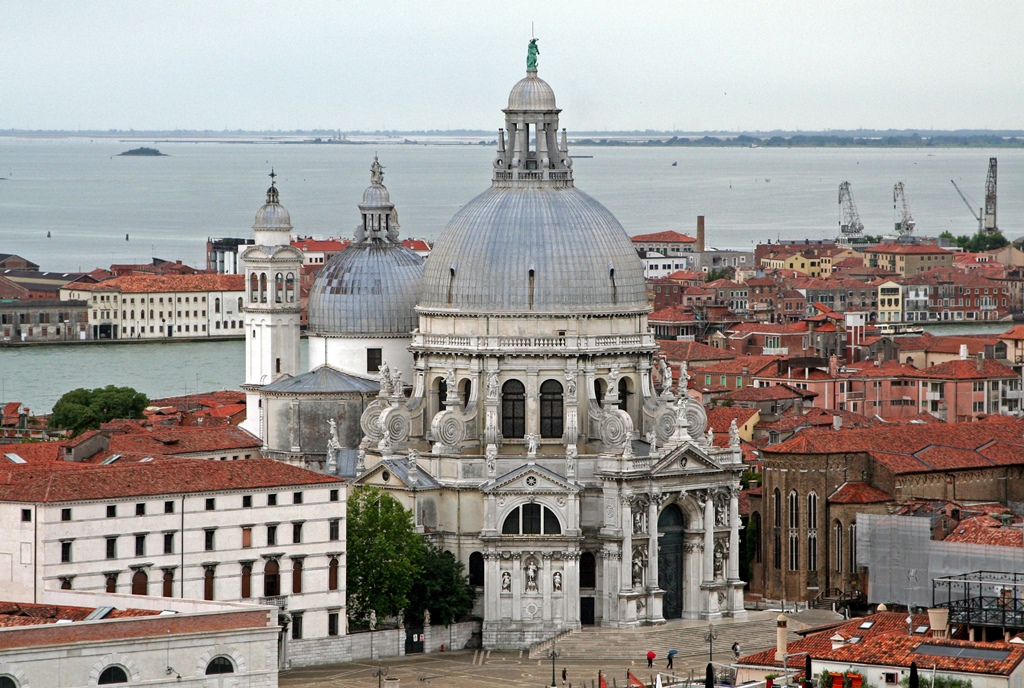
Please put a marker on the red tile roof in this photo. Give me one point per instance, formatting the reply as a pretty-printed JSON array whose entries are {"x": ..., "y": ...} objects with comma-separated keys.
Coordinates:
[
  {"x": 912, "y": 448},
  {"x": 416, "y": 244},
  {"x": 117, "y": 480},
  {"x": 134, "y": 284},
  {"x": 665, "y": 237},
  {"x": 1015, "y": 332},
  {"x": 753, "y": 364},
  {"x": 33, "y": 452},
  {"x": 677, "y": 350},
  {"x": 986, "y": 530},
  {"x": 773, "y": 393},
  {"x": 334, "y": 245},
  {"x": 719, "y": 418},
  {"x": 180, "y": 441},
  {"x": 968, "y": 370},
  {"x": 672, "y": 314},
  {"x": 858, "y": 493}
]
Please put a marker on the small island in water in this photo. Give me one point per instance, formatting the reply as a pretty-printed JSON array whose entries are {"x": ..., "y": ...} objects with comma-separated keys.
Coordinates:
[{"x": 144, "y": 151}]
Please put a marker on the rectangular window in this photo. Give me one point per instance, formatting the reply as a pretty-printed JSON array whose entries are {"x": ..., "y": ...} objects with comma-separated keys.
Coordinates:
[
  {"x": 168, "y": 543},
  {"x": 65, "y": 552},
  {"x": 65, "y": 514},
  {"x": 296, "y": 533},
  {"x": 272, "y": 499},
  {"x": 140, "y": 545},
  {"x": 246, "y": 501},
  {"x": 296, "y": 625},
  {"x": 335, "y": 529},
  {"x": 334, "y": 495},
  {"x": 209, "y": 539},
  {"x": 332, "y": 623},
  {"x": 111, "y": 548},
  {"x": 246, "y": 536},
  {"x": 140, "y": 509},
  {"x": 373, "y": 360},
  {"x": 168, "y": 507},
  {"x": 211, "y": 504},
  {"x": 272, "y": 535},
  {"x": 296, "y": 576},
  {"x": 297, "y": 498},
  {"x": 26, "y": 515},
  {"x": 111, "y": 511}
]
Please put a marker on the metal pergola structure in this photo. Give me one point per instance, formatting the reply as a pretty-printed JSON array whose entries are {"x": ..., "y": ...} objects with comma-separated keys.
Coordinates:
[{"x": 982, "y": 598}]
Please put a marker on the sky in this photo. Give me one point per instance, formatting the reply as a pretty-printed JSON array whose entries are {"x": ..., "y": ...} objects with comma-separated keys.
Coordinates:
[{"x": 447, "y": 64}]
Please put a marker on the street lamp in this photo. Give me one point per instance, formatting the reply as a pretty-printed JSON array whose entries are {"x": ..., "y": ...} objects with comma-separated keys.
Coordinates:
[
  {"x": 710, "y": 637},
  {"x": 553, "y": 654},
  {"x": 380, "y": 672}
]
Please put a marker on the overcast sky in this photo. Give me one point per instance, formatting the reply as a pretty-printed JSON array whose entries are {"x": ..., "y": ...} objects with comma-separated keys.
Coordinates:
[{"x": 437, "y": 64}]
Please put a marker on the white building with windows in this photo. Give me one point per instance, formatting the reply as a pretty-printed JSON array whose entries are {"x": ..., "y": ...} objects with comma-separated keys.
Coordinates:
[
  {"x": 161, "y": 306},
  {"x": 538, "y": 443},
  {"x": 242, "y": 531}
]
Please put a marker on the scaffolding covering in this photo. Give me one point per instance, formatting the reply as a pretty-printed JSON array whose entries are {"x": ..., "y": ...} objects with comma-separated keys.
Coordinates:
[{"x": 902, "y": 561}]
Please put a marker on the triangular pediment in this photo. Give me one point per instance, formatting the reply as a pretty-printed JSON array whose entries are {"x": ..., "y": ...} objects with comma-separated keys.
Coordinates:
[
  {"x": 685, "y": 458},
  {"x": 530, "y": 478},
  {"x": 393, "y": 474}
]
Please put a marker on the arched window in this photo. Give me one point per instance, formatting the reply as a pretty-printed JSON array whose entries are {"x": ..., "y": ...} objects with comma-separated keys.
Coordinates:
[
  {"x": 588, "y": 570},
  {"x": 599, "y": 388},
  {"x": 777, "y": 508},
  {"x": 794, "y": 510},
  {"x": 140, "y": 583},
  {"x": 271, "y": 579},
  {"x": 254, "y": 287},
  {"x": 476, "y": 569},
  {"x": 777, "y": 529},
  {"x": 208, "y": 580},
  {"x": 239, "y": 307},
  {"x": 289, "y": 288},
  {"x": 296, "y": 576},
  {"x": 624, "y": 394},
  {"x": 278, "y": 288},
  {"x": 853, "y": 547},
  {"x": 754, "y": 533},
  {"x": 513, "y": 409},
  {"x": 812, "y": 531},
  {"x": 111, "y": 585},
  {"x": 812, "y": 511},
  {"x": 837, "y": 545},
  {"x": 216, "y": 305},
  {"x": 7, "y": 682},
  {"x": 65, "y": 584},
  {"x": 112, "y": 675},
  {"x": 246, "y": 581},
  {"x": 220, "y": 665},
  {"x": 551, "y": 409},
  {"x": 168, "y": 590},
  {"x": 465, "y": 389},
  {"x": 531, "y": 519},
  {"x": 332, "y": 574},
  {"x": 263, "y": 287},
  {"x": 442, "y": 394}
]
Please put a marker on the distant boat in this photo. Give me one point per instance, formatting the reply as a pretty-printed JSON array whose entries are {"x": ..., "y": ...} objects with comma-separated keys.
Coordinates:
[
  {"x": 899, "y": 328},
  {"x": 47, "y": 235},
  {"x": 675, "y": 164}
]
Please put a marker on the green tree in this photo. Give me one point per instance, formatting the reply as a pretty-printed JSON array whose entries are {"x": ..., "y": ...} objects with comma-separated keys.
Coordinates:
[
  {"x": 442, "y": 587},
  {"x": 719, "y": 273},
  {"x": 84, "y": 409},
  {"x": 384, "y": 554}
]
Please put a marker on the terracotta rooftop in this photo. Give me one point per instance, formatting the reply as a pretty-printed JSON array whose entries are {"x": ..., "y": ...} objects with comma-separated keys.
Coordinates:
[
  {"x": 912, "y": 448},
  {"x": 968, "y": 370},
  {"x": 753, "y": 364},
  {"x": 134, "y": 284},
  {"x": 858, "y": 493},
  {"x": 672, "y": 314},
  {"x": 986, "y": 530},
  {"x": 665, "y": 237},
  {"x": 907, "y": 249},
  {"x": 1015, "y": 332},
  {"x": 719, "y": 417},
  {"x": 25, "y": 614},
  {"x": 773, "y": 393},
  {"x": 119, "y": 480},
  {"x": 179, "y": 441},
  {"x": 677, "y": 350}
]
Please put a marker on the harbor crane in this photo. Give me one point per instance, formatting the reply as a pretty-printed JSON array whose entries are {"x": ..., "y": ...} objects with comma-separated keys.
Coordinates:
[
  {"x": 904, "y": 223},
  {"x": 986, "y": 216},
  {"x": 850, "y": 226},
  {"x": 990, "y": 198}
]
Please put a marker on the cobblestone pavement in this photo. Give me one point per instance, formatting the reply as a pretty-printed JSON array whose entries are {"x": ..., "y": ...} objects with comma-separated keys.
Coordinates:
[{"x": 475, "y": 669}]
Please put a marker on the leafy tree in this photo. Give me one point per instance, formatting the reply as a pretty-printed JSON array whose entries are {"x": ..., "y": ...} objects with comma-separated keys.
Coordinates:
[
  {"x": 978, "y": 243},
  {"x": 443, "y": 588},
  {"x": 384, "y": 554},
  {"x": 84, "y": 409},
  {"x": 719, "y": 273}
]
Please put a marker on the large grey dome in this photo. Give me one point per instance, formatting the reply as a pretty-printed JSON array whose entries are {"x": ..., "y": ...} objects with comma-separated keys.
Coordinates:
[
  {"x": 367, "y": 289},
  {"x": 580, "y": 256},
  {"x": 531, "y": 93}
]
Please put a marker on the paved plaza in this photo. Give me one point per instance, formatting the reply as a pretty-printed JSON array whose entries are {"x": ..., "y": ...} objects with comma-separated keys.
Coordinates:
[{"x": 582, "y": 653}]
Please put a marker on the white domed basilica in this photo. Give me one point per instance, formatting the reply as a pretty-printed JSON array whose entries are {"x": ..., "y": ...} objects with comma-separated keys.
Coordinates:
[{"x": 522, "y": 420}]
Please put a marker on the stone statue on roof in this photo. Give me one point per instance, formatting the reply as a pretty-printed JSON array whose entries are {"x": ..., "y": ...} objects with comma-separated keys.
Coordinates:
[
  {"x": 376, "y": 172},
  {"x": 531, "y": 55}
]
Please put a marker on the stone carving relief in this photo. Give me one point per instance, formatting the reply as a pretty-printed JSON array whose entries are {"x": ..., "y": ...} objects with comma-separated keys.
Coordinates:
[
  {"x": 556, "y": 581},
  {"x": 532, "y": 441},
  {"x": 571, "y": 454},
  {"x": 492, "y": 385},
  {"x": 506, "y": 581},
  {"x": 531, "y": 575}
]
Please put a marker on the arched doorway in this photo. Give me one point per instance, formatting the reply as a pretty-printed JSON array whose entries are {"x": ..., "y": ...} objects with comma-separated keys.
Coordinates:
[{"x": 670, "y": 560}]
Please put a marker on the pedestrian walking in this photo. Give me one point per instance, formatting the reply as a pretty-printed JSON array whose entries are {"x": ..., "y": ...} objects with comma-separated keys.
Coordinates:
[
  {"x": 671, "y": 657},
  {"x": 650, "y": 659},
  {"x": 736, "y": 649},
  {"x": 565, "y": 675}
]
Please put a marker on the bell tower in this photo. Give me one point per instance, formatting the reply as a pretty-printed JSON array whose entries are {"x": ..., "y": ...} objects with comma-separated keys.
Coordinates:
[{"x": 272, "y": 271}]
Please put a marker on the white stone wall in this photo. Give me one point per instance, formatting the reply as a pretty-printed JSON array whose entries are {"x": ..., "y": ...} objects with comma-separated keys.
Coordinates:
[
  {"x": 349, "y": 353},
  {"x": 383, "y": 643}
]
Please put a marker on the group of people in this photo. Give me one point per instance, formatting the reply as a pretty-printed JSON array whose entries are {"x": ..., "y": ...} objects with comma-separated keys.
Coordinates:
[{"x": 651, "y": 655}]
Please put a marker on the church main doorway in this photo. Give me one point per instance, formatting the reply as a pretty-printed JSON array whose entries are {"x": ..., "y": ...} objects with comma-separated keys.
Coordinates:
[{"x": 670, "y": 560}]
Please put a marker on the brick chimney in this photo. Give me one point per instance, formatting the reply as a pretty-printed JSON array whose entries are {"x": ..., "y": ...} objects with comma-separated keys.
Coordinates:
[
  {"x": 980, "y": 361},
  {"x": 700, "y": 233}
]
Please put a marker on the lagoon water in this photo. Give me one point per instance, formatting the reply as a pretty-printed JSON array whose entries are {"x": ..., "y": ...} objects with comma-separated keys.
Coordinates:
[{"x": 88, "y": 198}]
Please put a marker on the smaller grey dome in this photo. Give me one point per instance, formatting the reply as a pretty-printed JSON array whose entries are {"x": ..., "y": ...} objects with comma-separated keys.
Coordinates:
[
  {"x": 272, "y": 215},
  {"x": 531, "y": 93},
  {"x": 368, "y": 289},
  {"x": 376, "y": 196}
]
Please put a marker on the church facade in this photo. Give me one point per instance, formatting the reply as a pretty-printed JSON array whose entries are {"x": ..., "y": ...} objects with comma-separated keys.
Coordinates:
[
  {"x": 506, "y": 392},
  {"x": 540, "y": 443}
]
